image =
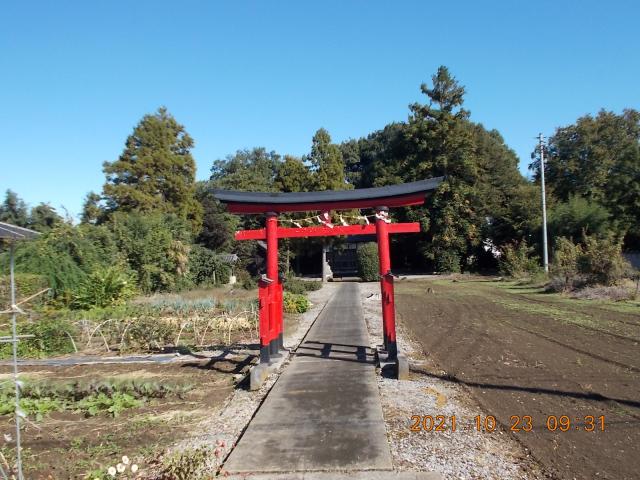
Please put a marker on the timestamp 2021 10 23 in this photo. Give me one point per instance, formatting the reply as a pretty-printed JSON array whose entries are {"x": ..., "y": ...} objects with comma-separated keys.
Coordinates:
[{"x": 518, "y": 423}]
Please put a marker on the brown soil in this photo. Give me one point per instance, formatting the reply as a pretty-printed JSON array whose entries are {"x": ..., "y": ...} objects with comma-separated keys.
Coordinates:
[
  {"x": 67, "y": 445},
  {"x": 533, "y": 354}
]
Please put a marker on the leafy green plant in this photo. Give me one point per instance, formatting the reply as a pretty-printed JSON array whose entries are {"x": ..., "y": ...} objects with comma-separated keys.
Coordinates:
[
  {"x": 113, "y": 404},
  {"x": 299, "y": 286},
  {"x": 447, "y": 261},
  {"x": 111, "y": 396},
  {"x": 37, "y": 407},
  {"x": 205, "y": 267},
  {"x": 368, "y": 263},
  {"x": 246, "y": 280},
  {"x": 65, "y": 255},
  {"x": 602, "y": 261},
  {"x": 293, "y": 303},
  {"x": 565, "y": 262},
  {"x": 578, "y": 214},
  {"x": 155, "y": 246},
  {"x": 518, "y": 261},
  {"x": 27, "y": 284},
  {"x": 186, "y": 465},
  {"x": 51, "y": 336},
  {"x": 104, "y": 287}
]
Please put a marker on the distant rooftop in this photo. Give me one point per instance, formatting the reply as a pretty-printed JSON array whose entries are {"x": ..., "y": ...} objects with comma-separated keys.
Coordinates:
[
  {"x": 228, "y": 257},
  {"x": 13, "y": 232}
]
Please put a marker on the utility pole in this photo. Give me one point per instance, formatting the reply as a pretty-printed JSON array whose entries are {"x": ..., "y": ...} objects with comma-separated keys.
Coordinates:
[{"x": 545, "y": 254}]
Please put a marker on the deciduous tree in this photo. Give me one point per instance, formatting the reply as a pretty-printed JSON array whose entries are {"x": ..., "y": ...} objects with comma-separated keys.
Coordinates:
[
  {"x": 247, "y": 170},
  {"x": 598, "y": 158}
]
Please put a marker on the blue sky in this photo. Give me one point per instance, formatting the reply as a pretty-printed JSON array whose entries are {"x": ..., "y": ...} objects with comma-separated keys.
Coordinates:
[{"x": 76, "y": 76}]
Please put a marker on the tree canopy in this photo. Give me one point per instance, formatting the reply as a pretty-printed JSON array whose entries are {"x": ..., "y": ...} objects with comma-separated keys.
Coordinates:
[
  {"x": 246, "y": 170},
  {"x": 484, "y": 196},
  {"x": 41, "y": 218},
  {"x": 598, "y": 158},
  {"x": 44, "y": 217},
  {"x": 154, "y": 222},
  {"x": 293, "y": 175},
  {"x": 14, "y": 210},
  {"x": 326, "y": 163},
  {"x": 92, "y": 211},
  {"x": 155, "y": 171}
]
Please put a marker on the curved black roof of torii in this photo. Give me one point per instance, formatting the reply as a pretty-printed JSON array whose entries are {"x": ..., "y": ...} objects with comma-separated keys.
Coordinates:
[{"x": 412, "y": 193}]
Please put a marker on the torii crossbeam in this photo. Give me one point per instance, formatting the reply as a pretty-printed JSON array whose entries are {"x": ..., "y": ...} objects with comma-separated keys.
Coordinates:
[{"x": 272, "y": 204}]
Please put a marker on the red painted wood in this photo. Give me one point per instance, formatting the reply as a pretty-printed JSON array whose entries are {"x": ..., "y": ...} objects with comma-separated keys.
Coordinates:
[
  {"x": 272, "y": 274},
  {"x": 264, "y": 303},
  {"x": 284, "y": 232},
  {"x": 399, "y": 201},
  {"x": 386, "y": 285}
]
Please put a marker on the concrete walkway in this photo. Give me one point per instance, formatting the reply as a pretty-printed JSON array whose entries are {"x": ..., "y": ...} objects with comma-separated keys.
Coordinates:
[{"x": 324, "y": 412}]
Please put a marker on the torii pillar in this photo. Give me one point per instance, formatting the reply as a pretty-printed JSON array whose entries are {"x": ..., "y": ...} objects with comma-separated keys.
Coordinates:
[
  {"x": 274, "y": 343},
  {"x": 386, "y": 284}
]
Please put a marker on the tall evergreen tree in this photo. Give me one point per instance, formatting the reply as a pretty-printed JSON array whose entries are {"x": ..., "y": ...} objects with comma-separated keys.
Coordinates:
[
  {"x": 326, "y": 163},
  {"x": 484, "y": 196},
  {"x": 44, "y": 217},
  {"x": 441, "y": 143},
  {"x": 91, "y": 209},
  {"x": 155, "y": 172},
  {"x": 293, "y": 175},
  {"x": 350, "y": 151},
  {"x": 14, "y": 210}
]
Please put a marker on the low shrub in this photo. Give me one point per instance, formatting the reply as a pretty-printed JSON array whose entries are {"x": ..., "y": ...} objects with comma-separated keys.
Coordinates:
[
  {"x": 27, "y": 284},
  {"x": 565, "y": 264},
  {"x": 190, "y": 464},
  {"x": 617, "y": 293},
  {"x": 246, "y": 280},
  {"x": 447, "y": 261},
  {"x": 300, "y": 287},
  {"x": 52, "y": 336},
  {"x": 294, "y": 303},
  {"x": 596, "y": 261},
  {"x": 518, "y": 261},
  {"x": 104, "y": 287},
  {"x": 205, "y": 267},
  {"x": 368, "y": 263},
  {"x": 147, "y": 334},
  {"x": 602, "y": 261}
]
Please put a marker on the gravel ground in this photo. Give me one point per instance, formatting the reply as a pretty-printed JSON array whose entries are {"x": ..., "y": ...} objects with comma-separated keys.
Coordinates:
[
  {"x": 223, "y": 429},
  {"x": 463, "y": 454}
]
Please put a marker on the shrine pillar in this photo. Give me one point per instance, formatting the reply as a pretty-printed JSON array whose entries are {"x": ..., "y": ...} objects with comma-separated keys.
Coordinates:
[
  {"x": 274, "y": 336},
  {"x": 386, "y": 283}
]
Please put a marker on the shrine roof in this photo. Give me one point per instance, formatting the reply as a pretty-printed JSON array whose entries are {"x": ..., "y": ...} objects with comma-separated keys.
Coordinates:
[{"x": 404, "y": 194}]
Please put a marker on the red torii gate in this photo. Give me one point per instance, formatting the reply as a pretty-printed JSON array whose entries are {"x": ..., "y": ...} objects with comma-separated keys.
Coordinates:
[{"x": 272, "y": 204}]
